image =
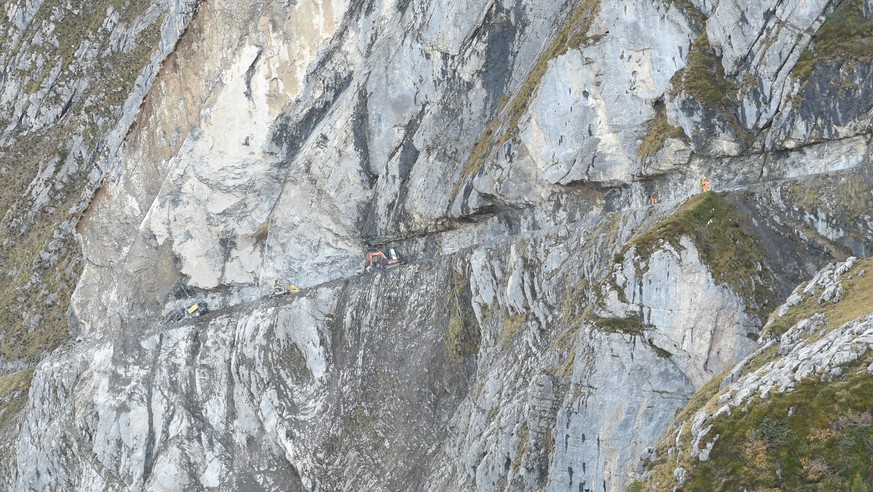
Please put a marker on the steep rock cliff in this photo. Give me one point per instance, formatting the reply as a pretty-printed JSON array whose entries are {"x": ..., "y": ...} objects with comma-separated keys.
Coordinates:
[
  {"x": 550, "y": 322},
  {"x": 72, "y": 78},
  {"x": 795, "y": 413}
]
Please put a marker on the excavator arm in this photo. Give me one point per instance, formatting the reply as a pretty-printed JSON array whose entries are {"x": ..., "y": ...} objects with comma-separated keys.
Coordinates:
[{"x": 377, "y": 254}]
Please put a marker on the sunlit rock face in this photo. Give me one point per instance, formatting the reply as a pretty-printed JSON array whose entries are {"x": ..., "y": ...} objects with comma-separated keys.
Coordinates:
[{"x": 549, "y": 318}]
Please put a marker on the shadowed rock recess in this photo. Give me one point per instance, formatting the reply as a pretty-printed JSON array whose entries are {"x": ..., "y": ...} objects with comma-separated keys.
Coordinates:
[{"x": 572, "y": 312}]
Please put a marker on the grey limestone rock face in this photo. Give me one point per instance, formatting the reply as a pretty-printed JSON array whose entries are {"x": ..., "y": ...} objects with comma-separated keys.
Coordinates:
[
  {"x": 72, "y": 80},
  {"x": 467, "y": 371},
  {"x": 527, "y": 343},
  {"x": 711, "y": 324},
  {"x": 573, "y": 133}
]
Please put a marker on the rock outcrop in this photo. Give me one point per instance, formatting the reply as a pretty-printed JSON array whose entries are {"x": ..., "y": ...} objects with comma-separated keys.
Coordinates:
[
  {"x": 72, "y": 79},
  {"x": 552, "y": 318},
  {"x": 819, "y": 339}
]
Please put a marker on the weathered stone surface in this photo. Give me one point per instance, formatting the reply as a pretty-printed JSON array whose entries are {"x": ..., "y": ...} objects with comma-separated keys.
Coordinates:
[
  {"x": 710, "y": 324},
  {"x": 809, "y": 349},
  {"x": 522, "y": 346}
]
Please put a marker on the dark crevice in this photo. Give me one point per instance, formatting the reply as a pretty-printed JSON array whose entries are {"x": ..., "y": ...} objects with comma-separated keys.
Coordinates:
[
  {"x": 360, "y": 131},
  {"x": 66, "y": 107},
  {"x": 149, "y": 458},
  {"x": 406, "y": 161},
  {"x": 250, "y": 72}
]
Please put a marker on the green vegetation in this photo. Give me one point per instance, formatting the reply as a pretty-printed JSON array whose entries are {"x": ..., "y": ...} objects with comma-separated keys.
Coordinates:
[
  {"x": 816, "y": 437},
  {"x": 504, "y": 126},
  {"x": 129, "y": 65},
  {"x": 511, "y": 327},
  {"x": 692, "y": 13},
  {"x": 704, "y": 78},
  {"x": 630, "y": 325},
  {"x": 858, "y": 484},
  {"x": 35, "y": 290},
  {"x": 846, "y": 34},
  {"x": 845, "y": 197},
  {"x": 855, "y": 198},
  {"x": 13, "y": 394},
  {"x": 573, "y": 305},
  {"x": 703, "y": 398},
  {"x": 658, "y": 133},
  {"x": 293, "y": 359},
  {"x": 857, "y": 301},
  {"x": 565, "y": 345},
  {"x": 72, "y": 30},
  {"x": 726, "y": 241},
  {"x": 47, "y": 301},
  {"x": 635, "y": 486}
]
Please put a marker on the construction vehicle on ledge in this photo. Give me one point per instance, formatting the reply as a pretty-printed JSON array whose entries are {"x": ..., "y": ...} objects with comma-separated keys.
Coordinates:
[
  {"x": 192, "y": 311},
  {"x": 196, "y": 310},
  {"x": 280, "y": 289},
  {"x": 378, "y": 259}
]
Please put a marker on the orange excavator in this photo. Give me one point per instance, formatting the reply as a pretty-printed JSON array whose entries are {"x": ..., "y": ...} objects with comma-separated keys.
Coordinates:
[{"x": 378, "y": 259}]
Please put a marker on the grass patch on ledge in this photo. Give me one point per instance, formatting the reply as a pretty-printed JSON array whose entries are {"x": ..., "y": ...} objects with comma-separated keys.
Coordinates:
[
  {"x": 504, "y": 126},
  {"x": 856, "y": 302},
  {"x": 629, "y": 325},
  {"x": 703, "y": 78},
  {"x": 13, "y": 394},
  {"x": 16, "y": 381},
  {"x": 510, "y": 328},
  {"x": 726, "y": 241},
  {"x": 845, "y": 34},
  {"x": 659, "y": 130}
]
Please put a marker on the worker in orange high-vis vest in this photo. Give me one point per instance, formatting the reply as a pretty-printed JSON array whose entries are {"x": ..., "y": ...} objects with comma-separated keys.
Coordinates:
[{"x": 704, "y": 184}]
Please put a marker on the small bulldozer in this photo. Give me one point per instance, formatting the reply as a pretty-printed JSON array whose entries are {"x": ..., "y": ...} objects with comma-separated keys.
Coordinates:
[
  {"x": 196, "y": 310},
  {"x": 193, "y": 311},
  {"x": 377, "y": 259},
  {"x": 280, "y": 289}
]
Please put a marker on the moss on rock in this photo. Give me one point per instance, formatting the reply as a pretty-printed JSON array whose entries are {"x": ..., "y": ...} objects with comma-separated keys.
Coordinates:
[
  {"x": 463, "y": 336},
  {"x": 13, "y": 394},
  {"x": 726, "y": 241},
  {"x": 659, "y": 130},
  {"x": 504, "y": 126},
  {"x": 704, "y": 78},
  {"x": 845, "y": 35}
]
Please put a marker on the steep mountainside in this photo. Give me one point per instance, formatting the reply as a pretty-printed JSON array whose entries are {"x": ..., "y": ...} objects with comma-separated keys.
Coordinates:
[
  {"x": 537, "y": 163},
  {"x": 72, "y": 78},
  {"x": 795, "y": 414}
]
